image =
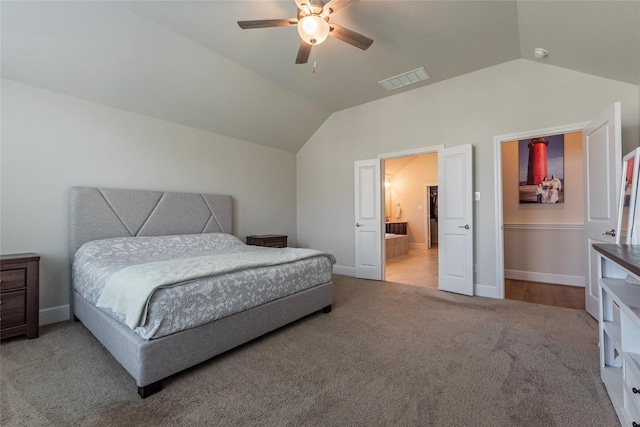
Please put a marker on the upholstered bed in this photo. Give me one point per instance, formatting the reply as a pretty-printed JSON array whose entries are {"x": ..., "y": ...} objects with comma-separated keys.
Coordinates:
[{"x": 186, "y": 319}]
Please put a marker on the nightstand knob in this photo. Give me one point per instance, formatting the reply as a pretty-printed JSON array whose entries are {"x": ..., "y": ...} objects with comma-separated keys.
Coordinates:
[{"x": 635, "y": 390}]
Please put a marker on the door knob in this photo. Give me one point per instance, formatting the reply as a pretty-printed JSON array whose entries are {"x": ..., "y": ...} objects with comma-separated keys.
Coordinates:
[
  {"x": 466, "y": 226},
  {"x": 611, "y": 233}
]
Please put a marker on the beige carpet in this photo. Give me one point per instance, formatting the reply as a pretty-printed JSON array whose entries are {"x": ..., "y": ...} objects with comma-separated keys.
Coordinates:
[{"x": 388, "y": 354}]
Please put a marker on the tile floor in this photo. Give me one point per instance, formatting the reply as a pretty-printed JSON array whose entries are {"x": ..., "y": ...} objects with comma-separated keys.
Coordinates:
[{"x": 419, "y": 267}]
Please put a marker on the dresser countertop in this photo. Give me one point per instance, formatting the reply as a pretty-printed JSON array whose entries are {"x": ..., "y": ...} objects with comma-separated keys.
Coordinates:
[{"x": 627, "y": 256}]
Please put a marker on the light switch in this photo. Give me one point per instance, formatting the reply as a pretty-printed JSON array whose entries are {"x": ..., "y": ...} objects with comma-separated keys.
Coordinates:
[{"x": 477, "y": 196}]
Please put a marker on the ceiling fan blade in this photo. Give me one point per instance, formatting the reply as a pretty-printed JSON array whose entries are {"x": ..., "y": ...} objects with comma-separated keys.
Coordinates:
[
  {"x": 335, "y": 6},
  {"x": 304, "y": 5},
  {"x": 267, "y": 23},
  {"x": 351, "y": 37},
  {"x": 303, "y": 52}
]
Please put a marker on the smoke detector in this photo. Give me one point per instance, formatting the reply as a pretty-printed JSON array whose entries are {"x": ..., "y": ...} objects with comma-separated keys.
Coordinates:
[{"x": 540, "y": 52}]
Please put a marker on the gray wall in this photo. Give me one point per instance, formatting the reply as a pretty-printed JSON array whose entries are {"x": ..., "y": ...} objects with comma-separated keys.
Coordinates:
[
  {"x": 51, "y": 142},
  {"x": 517, "y": 96},
  {"x": 547, "y": 253}
]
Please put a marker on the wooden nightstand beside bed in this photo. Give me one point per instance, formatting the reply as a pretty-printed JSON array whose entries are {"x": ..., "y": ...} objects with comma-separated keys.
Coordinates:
[
  {"x": 19, "y": 295},
  {"x": 269, "y": 240}
]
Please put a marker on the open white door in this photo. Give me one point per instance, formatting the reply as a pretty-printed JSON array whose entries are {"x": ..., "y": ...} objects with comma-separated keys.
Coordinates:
[
  {"x": 602, "y": 148},
  {"x": 367, "y": 222},
  {"x": 455, "y": 219}
]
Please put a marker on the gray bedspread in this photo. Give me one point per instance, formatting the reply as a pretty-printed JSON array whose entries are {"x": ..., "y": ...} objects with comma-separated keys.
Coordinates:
[{"x": 199, "y": 301}]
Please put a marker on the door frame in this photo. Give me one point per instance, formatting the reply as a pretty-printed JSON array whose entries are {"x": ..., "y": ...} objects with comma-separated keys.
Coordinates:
[
  {"x": 427, "y": 214},
  {"x": 394, "y": 155},
  {"x": 497, "y": 170}
]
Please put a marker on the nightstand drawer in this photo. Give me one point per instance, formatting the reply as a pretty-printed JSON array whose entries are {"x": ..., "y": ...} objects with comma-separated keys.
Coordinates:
[
  {"x": 13, "y": 279},
  {"x": 13, "y": 309},
  {"x": 19, "y": 295}
]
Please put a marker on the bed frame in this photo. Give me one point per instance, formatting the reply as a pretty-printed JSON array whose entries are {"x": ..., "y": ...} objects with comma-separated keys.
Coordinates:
[{"x": 97, "y": 213}]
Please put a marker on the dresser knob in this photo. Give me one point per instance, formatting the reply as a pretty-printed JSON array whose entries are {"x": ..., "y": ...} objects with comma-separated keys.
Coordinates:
[{"x": 635, "y": 390}]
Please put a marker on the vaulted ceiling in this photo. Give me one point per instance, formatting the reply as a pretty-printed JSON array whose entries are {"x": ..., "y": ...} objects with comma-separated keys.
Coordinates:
[{"x": 188, "y": 61}]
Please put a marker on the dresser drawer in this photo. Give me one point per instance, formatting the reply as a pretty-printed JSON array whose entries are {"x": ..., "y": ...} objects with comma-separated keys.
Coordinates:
[
  {"x": 13, "y": 279},
  {"x": 13, "y": 309},
  {"x": 633, "y": 411},
  {"x": 631, "y": 386}
]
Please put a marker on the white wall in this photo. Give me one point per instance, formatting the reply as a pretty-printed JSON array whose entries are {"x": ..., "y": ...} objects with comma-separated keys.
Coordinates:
[
  {"x": 517, "y": 96},
  {"x": 51, "y": 142}
]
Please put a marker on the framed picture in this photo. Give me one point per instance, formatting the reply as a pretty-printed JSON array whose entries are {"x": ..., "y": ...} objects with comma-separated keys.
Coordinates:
[{"x": 541, "y": 169}]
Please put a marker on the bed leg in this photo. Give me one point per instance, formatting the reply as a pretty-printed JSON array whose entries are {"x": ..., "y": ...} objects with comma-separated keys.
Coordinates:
[
  {"x": 150, "y": 389},
  {"x": 327, "y": 309}
]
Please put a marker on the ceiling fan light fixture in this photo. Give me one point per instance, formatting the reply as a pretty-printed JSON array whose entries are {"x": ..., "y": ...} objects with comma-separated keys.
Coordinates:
[{"x": 313, "y": 29}]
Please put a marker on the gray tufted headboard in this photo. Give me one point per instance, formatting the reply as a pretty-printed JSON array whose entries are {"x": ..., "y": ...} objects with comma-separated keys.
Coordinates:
[{"x": 100, "y": 213}]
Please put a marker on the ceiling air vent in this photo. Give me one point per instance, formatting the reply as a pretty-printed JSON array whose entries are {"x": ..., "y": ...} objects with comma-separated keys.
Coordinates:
[{"x": 405, "y": 79}]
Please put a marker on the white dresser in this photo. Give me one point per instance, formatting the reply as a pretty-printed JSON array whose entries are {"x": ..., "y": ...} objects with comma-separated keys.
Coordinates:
[{"x": 620, "y": 328}]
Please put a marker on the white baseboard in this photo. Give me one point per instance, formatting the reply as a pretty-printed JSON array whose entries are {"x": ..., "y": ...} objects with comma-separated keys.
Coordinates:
[
  {"x": 346, "y": 271},
  {"x": 54, "y": 314},
  {"x": 533, "y": 276}
]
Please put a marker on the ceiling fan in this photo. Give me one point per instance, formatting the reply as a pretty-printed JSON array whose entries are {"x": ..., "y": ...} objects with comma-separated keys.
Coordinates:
[{"x": 314, "y": 26}]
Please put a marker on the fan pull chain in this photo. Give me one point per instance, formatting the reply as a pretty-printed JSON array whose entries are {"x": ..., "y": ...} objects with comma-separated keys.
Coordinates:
[{"x": 315, "y": 63}]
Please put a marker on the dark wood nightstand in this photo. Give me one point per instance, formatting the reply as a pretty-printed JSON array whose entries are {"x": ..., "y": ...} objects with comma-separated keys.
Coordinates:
[
  {"x": 270, "y": 240},
  {"x": 19, "y": 295}
]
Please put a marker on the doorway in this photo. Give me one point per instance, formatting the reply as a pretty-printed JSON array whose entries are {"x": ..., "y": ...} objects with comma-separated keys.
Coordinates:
[
  {"x": 410, "y": 213},
  {"x": 539, "y": 233},
  {"x": 455, "y": 231}
]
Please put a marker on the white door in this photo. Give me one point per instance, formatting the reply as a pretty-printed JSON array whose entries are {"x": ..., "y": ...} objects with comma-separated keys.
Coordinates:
[
  {"x": 455, "y": 219},
  {"x": 602, "y": 148},
  {"x": 367, "y": 222}
]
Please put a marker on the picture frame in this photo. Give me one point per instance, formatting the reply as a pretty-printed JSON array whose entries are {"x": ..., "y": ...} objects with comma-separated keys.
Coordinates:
[
  {"x": 541, "y": 169},
  {"x": 627, "y": 197}
]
